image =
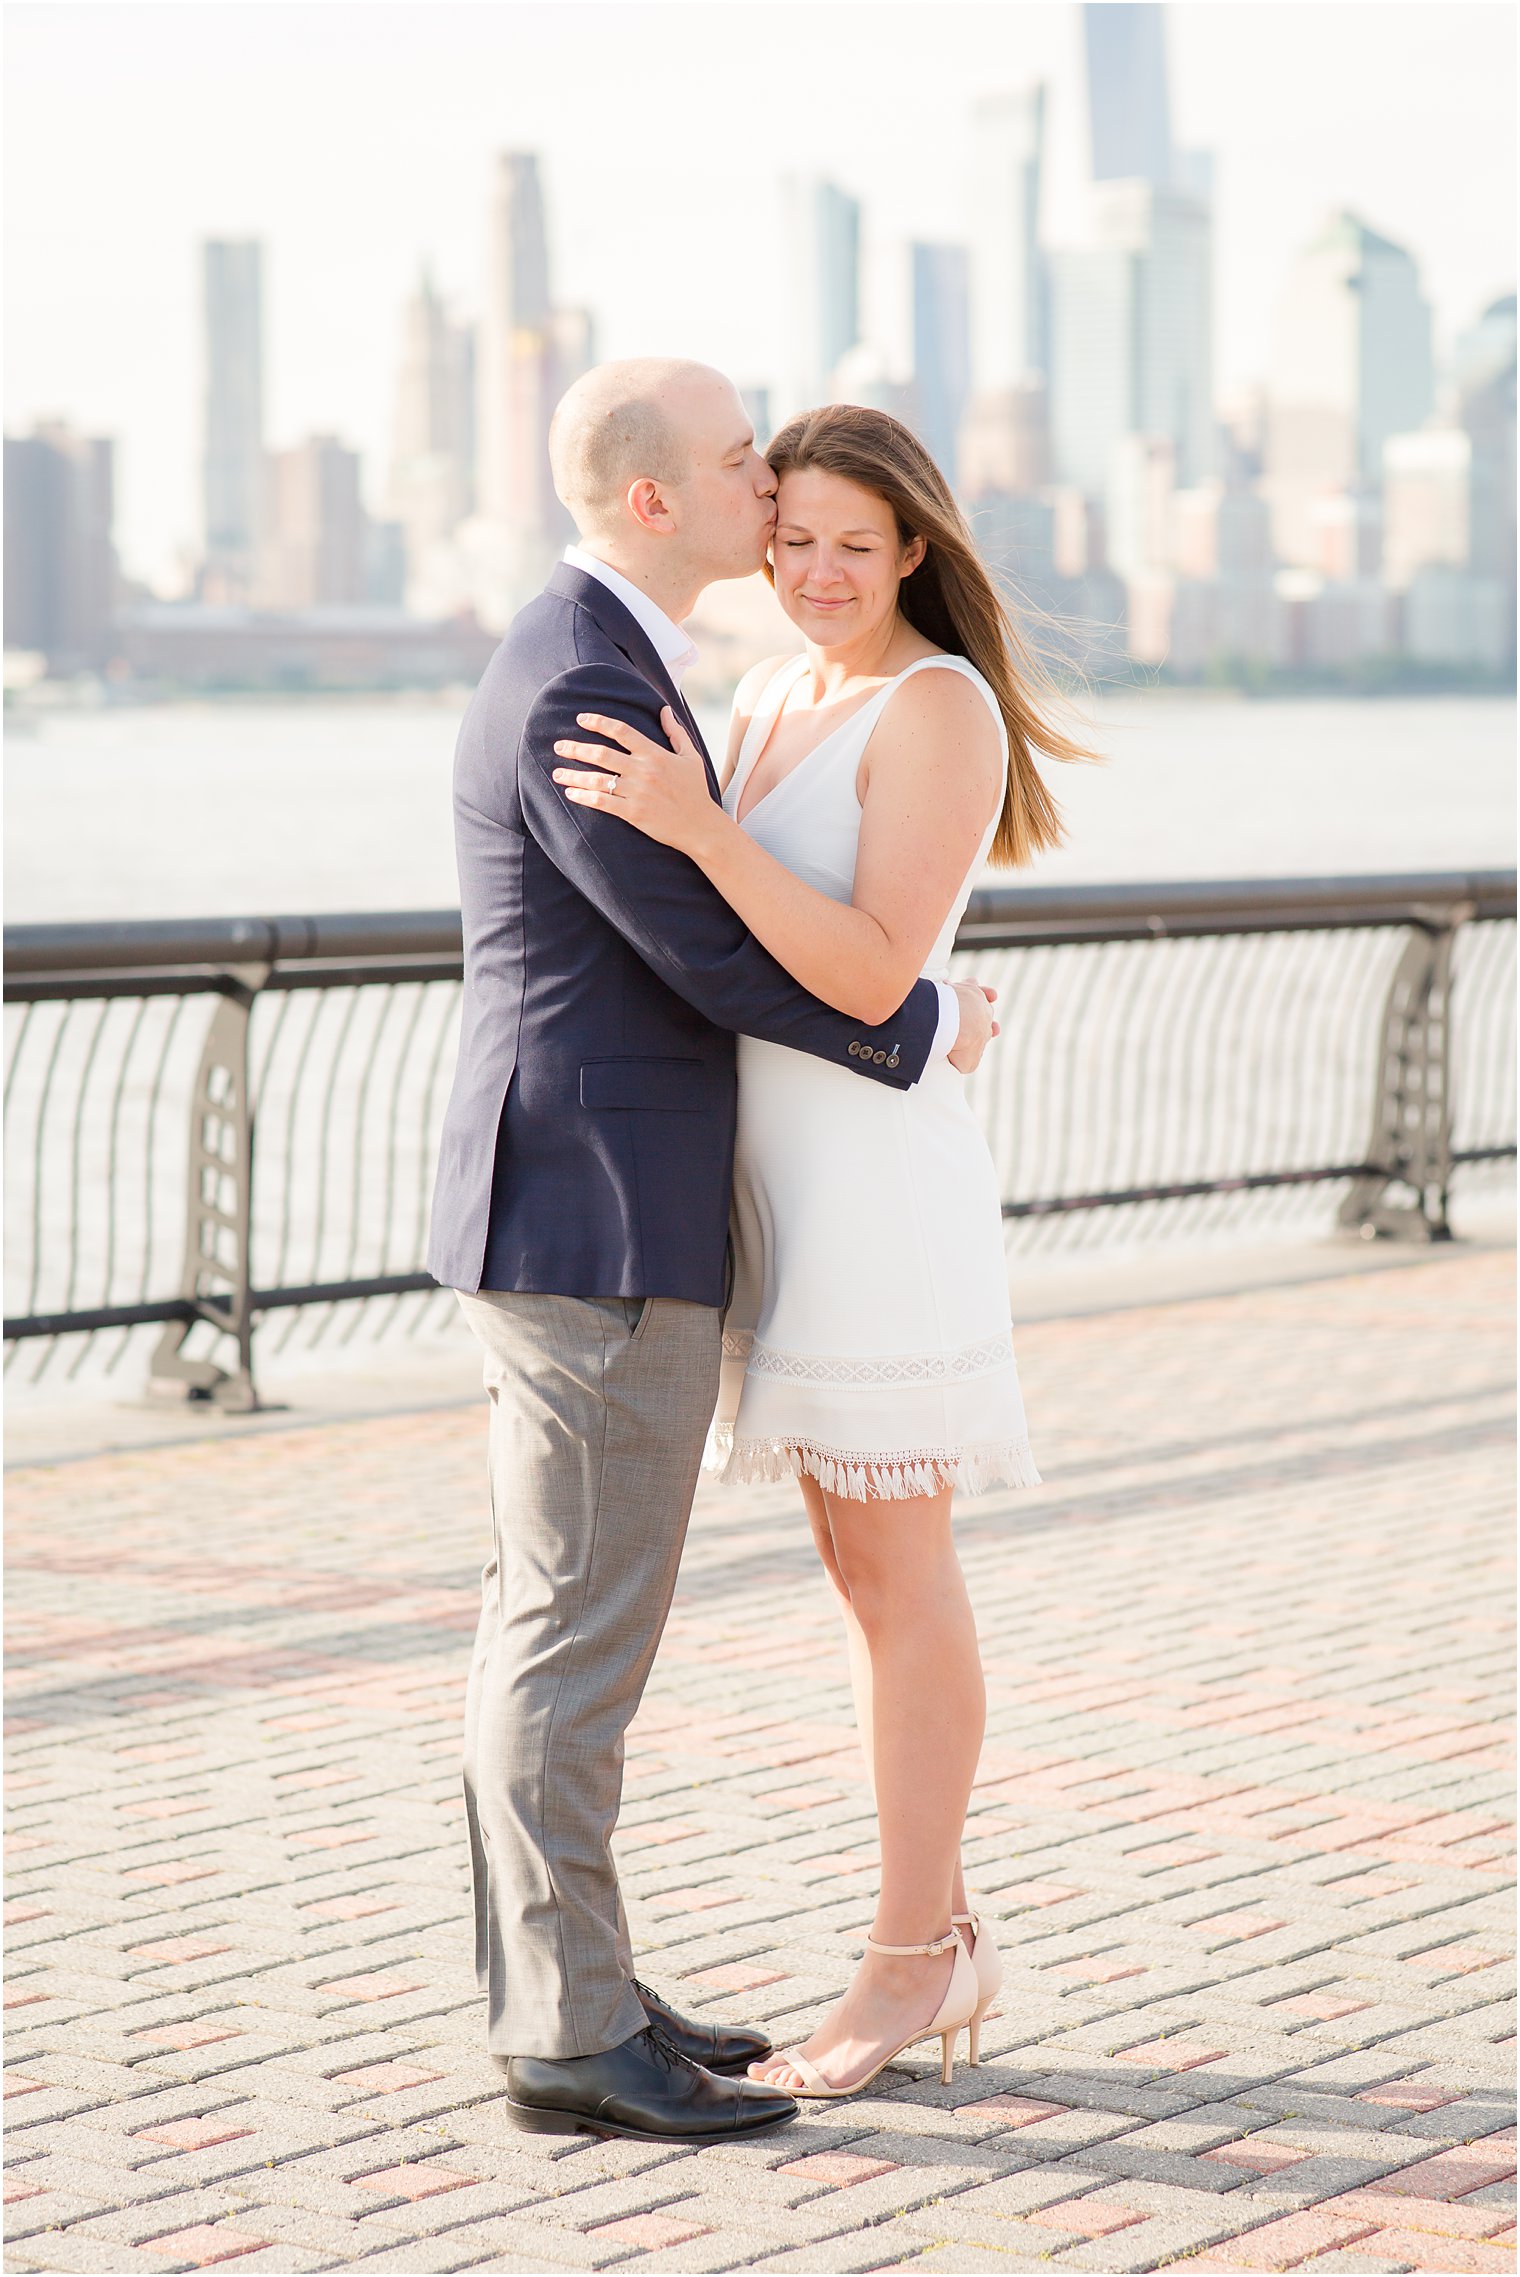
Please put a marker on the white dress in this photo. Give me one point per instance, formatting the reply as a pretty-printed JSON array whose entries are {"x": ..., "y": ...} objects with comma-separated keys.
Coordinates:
[{"x": 868, "y": 1343}]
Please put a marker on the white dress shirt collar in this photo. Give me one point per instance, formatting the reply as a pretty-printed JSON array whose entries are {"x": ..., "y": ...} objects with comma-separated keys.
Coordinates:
[{"x": 672, "y": 644}]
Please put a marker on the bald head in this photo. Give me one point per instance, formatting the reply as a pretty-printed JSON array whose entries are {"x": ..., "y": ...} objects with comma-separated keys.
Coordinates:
[{"x": 620, "y": 424}]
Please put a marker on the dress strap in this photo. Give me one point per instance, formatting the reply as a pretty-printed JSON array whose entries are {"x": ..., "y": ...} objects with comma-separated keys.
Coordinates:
[
  {"x": 772, "y": 696},
  {"x": 961, "y": 664}
]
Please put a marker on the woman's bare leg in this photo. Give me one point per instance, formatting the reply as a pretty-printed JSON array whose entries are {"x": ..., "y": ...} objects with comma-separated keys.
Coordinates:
[
  {"x": 923, "y": 1709},
  {"x": 854, "y": 1635}
]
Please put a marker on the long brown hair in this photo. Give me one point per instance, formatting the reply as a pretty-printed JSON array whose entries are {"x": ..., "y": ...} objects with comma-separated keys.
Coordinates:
[{"x": 950, "y": 598}]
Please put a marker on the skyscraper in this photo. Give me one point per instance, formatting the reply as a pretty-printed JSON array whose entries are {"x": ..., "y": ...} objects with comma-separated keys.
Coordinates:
[
  {"x": 1485, "y": 379},
  {"x": 941, "y": 346},
  {"x": 1093, "y": 325},
  {"x": 1351, "y": 365},
  {"x": 60, "y": 566},
  {"x": 1008, "y": 288},
  {"x": 1128, "y": 111},
  {"x": 431, "y": 483},
  {"x": 823, "y": 266},
  {"x": 232, "y": 423},
  {"x": 314, "y": 545},
  {"x": 514, "y": 366},
  {"x": 1132, "y": 334},
  {"x": 572, "y": 350}
]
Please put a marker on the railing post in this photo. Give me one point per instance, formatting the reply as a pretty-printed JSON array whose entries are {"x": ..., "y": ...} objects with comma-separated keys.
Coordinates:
[
  {"x": 1410, "y": 1140},
  {"x": 216, "y": 1276}
]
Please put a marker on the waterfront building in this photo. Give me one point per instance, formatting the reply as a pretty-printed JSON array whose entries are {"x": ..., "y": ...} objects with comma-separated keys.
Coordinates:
[
  {"x": 1223, "y": 622},
  {"x": 1005, "y": 441},
  {"x": 572, "y": 336},
  {"x": 1132, "y": 334},
  {"x": 1071, "y": 618},
  {"x": 823, "y": 285},
  {"x": 314, "y": 554},
  {"x": 1093, "y": 319},
  {"x": 1484, "y": 371},
  {"x": 1329, "y": 626},
  {"x": 1139, "y": 518},
  {"x": 1351, "y": 365},
  {"x": 1224, "y": 606},
  {"x": 527, "y": 352},
  {"x": 431, "y": 482},
  {"x": 232, "y": 415},
  {"x": 1346, "y": 534},
  {"x": 1129, "y": 115},
  {"x": 1008, "y": 291},
  {"x": 60, "y": 563},
  {"x": 382, "y": 568},
  {"x": 940, "y": 283},
  {"x": 515, "y": 359},
  {"x": 1081, "y": 545},
  {"x": 1484, "y": 351},
  {"x": 1428, "y": 501},
  {"x": 1219, "y": 531},
  {"x": 1455, "y": 619},
  {"x": 1008, "y": 288},
  {"x": 224, "y": 649}
]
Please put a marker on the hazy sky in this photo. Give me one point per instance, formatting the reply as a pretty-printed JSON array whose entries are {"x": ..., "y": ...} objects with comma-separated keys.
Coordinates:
[{"x": 356, "y": 138}]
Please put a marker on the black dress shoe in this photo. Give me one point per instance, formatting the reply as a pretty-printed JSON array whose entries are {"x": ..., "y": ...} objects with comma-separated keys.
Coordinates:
[
  {"x": 720, "y": 2047},
  {"x": 643, "y": 2089}
]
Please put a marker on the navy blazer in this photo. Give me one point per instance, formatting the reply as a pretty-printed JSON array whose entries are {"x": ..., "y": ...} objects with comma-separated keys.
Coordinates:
[{"x": 588, "y": 1145}]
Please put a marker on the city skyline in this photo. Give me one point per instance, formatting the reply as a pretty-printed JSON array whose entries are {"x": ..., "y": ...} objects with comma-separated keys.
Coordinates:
[{"x": 333, "y": 369}]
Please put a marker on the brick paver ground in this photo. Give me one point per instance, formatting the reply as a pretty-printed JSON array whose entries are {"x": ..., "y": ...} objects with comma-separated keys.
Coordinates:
[{"x": 1240, "y": 1823}]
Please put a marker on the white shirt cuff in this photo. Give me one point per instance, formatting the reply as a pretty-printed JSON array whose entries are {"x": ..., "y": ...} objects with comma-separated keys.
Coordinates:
[{"x": 949, "y": 1022}]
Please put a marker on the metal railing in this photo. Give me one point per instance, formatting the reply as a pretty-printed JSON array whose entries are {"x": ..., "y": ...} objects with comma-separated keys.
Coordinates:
[{"x": 1172, "y": 1055}]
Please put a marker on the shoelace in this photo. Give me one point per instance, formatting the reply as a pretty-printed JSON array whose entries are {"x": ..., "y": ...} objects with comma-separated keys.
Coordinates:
[{"x": 674, "y": 2060}]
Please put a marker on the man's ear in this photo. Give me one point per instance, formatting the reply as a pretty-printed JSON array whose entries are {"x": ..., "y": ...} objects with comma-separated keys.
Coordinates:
[{"x": 649, "y": 506}]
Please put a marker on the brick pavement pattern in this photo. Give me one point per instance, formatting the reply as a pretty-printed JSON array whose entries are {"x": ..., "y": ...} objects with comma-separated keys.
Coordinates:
[{"x": 1240, "y": 1824}]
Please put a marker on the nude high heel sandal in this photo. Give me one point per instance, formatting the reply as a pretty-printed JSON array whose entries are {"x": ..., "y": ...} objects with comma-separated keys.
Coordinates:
[
  {"x": 988, "y": 1964},
  {"x": 956, "y": 2009}
]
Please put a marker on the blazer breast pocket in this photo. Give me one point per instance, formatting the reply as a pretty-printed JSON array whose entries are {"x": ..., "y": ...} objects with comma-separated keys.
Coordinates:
[{"x": 668, "y": 1086}]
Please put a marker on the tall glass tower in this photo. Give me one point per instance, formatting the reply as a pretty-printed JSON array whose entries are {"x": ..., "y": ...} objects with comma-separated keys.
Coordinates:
[
  {"x": 941, "y": 347},
  {"x": 823, "y": 264},
  {"x": 1009, "y": 320},
  {"x": 1128, "y": 111},
  {"x": 232, "y": 414},
  {"x": 515, "y": 362}
]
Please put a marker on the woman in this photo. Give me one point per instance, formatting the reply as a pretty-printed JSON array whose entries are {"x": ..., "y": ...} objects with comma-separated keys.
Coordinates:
[{"x": 868, "y": 1347}]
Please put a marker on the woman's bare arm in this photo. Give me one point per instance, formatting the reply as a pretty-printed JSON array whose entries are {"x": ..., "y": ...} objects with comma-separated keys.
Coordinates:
[{"x": 932, "y": 774}]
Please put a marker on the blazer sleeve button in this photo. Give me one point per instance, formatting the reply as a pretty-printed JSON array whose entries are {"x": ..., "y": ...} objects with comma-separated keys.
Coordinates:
[
  {"x": 878, "y": 1059},
  {"x": 892, "y": 1058},
  {"x": 854, "y": 1051}
]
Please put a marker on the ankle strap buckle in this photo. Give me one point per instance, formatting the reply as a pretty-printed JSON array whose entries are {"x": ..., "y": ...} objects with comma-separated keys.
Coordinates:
[{"x": 938, "y": 1945}]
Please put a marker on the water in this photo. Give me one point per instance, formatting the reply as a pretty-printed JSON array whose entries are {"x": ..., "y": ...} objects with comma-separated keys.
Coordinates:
[
  {"x": 248, "y": 807},
  {"x": 245, "y": 807}
]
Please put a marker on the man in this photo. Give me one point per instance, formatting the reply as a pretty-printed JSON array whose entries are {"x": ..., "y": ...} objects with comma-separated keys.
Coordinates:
[{"x": 581, "y": 1213}]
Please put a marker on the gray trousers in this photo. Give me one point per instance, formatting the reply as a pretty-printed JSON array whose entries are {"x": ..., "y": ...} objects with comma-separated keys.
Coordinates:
[{"x": 599, "y": 1408}]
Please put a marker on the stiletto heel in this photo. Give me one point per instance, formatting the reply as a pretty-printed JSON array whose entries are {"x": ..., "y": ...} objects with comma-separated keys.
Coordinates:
[
  {"x": 955, "y": 2010},
  {"x": 987, "y": 1961}
]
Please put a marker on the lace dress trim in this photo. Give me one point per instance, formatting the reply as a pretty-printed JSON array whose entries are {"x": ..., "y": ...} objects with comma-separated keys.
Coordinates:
[
  {"x": 897, "y": 1475},
  {"x": 978, "y": 1359}
]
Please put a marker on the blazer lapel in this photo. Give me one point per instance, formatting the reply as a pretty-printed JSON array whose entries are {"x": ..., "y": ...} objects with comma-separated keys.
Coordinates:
[{"x": 629, "y": 635}]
